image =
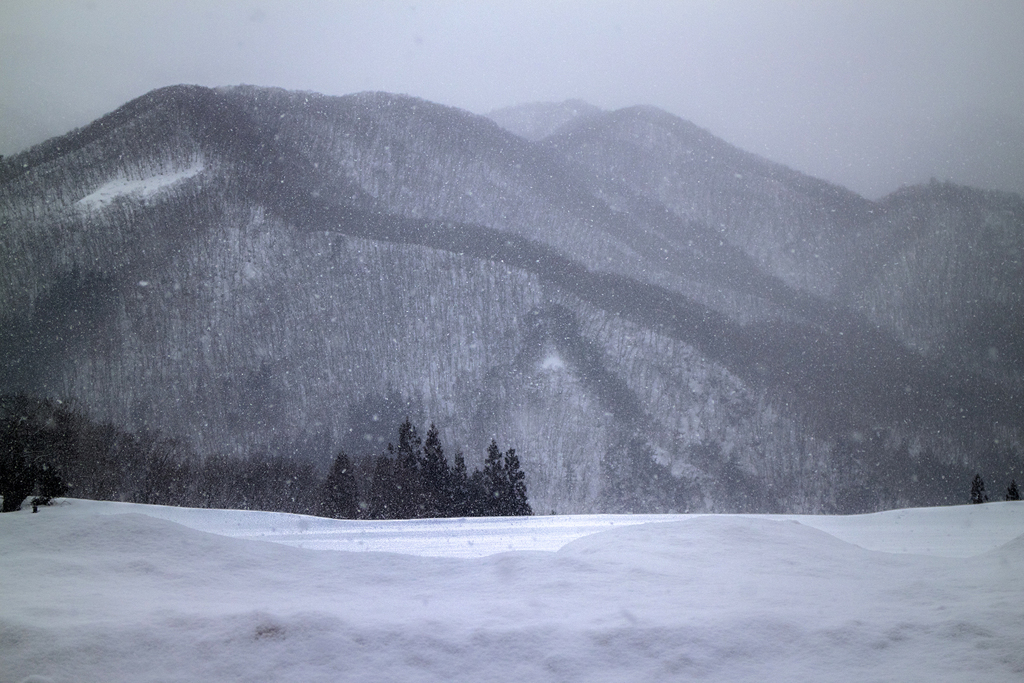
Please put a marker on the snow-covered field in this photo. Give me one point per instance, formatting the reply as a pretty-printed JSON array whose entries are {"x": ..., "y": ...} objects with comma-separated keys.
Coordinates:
[{"x": 108, "y": 592}]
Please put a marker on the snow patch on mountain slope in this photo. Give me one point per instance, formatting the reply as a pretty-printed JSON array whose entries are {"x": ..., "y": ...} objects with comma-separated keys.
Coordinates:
[
  {"x": 144, "y": 188},
  {"x": 552, "y": 362}
]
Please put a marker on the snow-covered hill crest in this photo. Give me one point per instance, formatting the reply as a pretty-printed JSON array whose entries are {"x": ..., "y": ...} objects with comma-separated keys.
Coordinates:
[{"x": 97, "y": 592}]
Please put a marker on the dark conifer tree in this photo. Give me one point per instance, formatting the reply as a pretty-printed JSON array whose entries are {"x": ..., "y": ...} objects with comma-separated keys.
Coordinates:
[
  {"x": 494, "y": 480},
  {"x": 978, "y": 490},
  {"x": 479, "y": 502},
  {"x": 20, "y": 443},
  {"x": 409, "y": 446},
  {"x": 514, "y": 501},
  {"x": 1012, "y": 492},
  {"x": 67, "y": 427},
  {"x": 459, "y": 503},
  {"x": 339, "y": 497},
  {"x": 435, "y": 478},
  {"x": 51, "y": 485},
  {"x": 16, "y": 475},
  {"x": 408, "y": 460}
]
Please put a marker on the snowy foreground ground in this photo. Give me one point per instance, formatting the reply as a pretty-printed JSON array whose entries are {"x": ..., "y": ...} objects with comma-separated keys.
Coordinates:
[{"x": 112, "y": 592}]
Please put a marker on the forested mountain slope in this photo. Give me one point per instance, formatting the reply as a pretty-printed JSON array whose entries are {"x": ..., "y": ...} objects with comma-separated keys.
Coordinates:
[
  {"x": 257, "y": 269},
  {"x": 938, "y": 266}
]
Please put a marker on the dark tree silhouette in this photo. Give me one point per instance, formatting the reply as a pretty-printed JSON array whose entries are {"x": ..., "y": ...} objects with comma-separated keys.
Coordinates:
[
  {"x": 16, "y": 476},
  {"x": 494, "y": 480},
  {"x": 339, "y": 496},
  {"x": 1012, "y": 492},
  {"x": 460, "y": 501},
  {"x": 504, "y": 484},
  {"x": 514, "y": 502},
  {"x": 435, "y": 478},
  {"x": 407, "y": 460},
  {"x": 21, "y": 441},
  {"x": 479, "y": 502},
  {"x": 51, "y": 485},
  {"x": 48, "y": 447},
  {"x": 978, "y": 494}
]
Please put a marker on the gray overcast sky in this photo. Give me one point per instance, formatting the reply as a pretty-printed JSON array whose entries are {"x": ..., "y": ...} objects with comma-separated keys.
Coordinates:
[{"x": 872, "y": 95}]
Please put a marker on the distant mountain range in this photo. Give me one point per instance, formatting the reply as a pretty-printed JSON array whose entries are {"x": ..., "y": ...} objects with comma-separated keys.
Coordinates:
[{"x": 654, "y": 319}]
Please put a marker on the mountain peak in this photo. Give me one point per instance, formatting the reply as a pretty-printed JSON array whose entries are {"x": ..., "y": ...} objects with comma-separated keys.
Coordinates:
[{"x": 538, "y": 120}]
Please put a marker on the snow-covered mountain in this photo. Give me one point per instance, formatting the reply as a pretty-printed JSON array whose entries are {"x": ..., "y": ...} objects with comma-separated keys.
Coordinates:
[
  {"x": 654, "y": 320},
  {"x": 538, "y": 120},
  {"x": 115, "y": 592}
]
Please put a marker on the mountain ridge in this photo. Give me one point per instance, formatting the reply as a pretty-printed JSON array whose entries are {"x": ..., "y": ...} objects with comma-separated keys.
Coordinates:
[{"x": 304, "y": 202}]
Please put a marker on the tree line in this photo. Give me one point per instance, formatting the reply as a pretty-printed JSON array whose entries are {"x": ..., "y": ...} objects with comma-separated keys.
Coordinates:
[
  {"x": 978, "y": 494},
  {"x": 48, "y": 449},
  {"x": 415, "y": 480}
]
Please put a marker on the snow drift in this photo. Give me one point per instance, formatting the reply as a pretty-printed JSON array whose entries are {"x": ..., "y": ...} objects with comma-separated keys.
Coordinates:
[{"x": 112, "y": 592}]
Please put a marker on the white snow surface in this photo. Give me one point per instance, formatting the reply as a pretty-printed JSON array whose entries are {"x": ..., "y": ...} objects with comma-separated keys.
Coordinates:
[
  {"x": 143, "y": 188},
  {"x": 93, "y": 591},
  {"x": 552, "y": 362}
]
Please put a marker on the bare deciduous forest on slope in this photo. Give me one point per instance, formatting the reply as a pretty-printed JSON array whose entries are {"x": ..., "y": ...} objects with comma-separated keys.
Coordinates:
[{"x": 653, "y": 320}]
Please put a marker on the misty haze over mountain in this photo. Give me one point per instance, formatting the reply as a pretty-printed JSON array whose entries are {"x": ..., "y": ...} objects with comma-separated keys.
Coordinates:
[
  {"x": 656, "y": 320},
  {"x": 872, "y": 96}
]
